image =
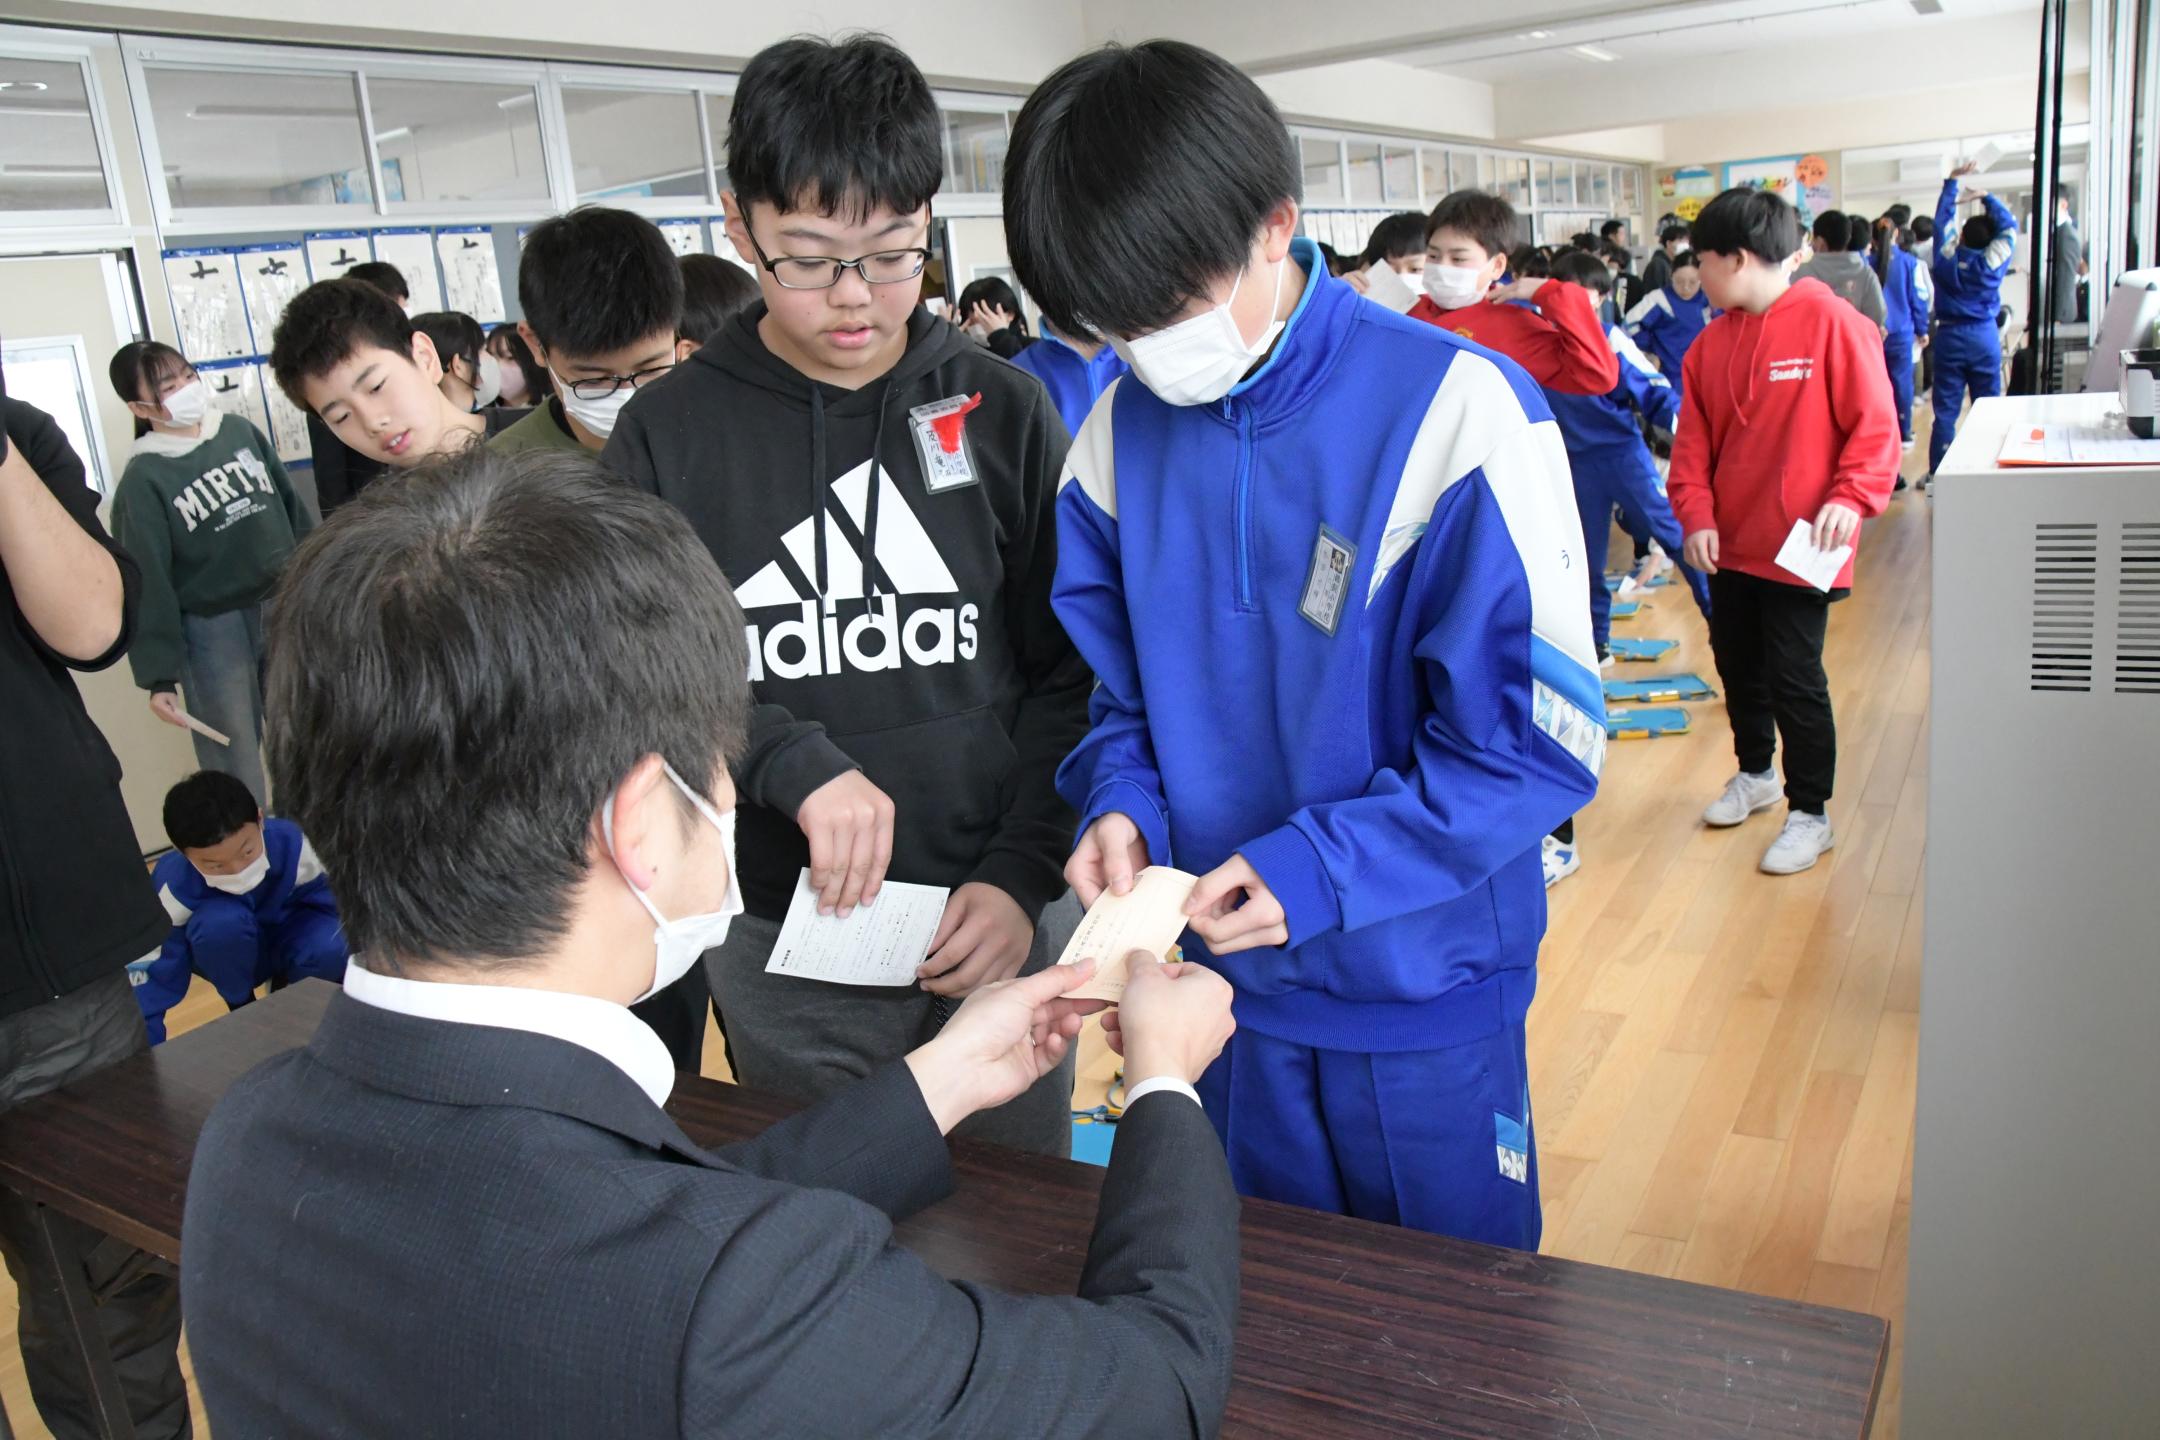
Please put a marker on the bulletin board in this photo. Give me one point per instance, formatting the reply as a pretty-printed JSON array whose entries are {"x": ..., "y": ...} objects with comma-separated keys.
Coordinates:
[{"x": 1804, "y": 180}]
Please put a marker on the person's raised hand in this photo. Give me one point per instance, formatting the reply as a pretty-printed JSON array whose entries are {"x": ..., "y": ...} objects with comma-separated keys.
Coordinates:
[
  {"x": 1109, "y": 855},
  {"x": 849, "y": 823},
  {"x": 984, "y": 937},
  {"x": 1005, "y": 1037},
  {"x": 1836, "y": 525},
  {"x": 1356, "y": 280},
  {"x": 1233, "y": 909},
  {"x": 1173, "y": 1019},
  {"x": 1700, "y": 550}
]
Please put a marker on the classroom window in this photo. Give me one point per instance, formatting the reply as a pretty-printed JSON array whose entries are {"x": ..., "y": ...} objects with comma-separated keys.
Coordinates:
[
  {"x": 446, "y": 142},
  {"x": 1462, "y": 170},
  {"x": 1322, "y": 160},
  {"x": 1630, "y": 189},
  {"x": 1433, "y": 171},
  {"x": 48, "y": 143},
  {"x": 54, "y": 375},
  {"x": 1399, "y": 174},
  {"x": 255, "y": 138},
  {"x": 1599, "y": 180},
  {"x": 975, "y": 151},
  {"x": 633, "y": 144},
  {"x": 716, "y": 122},
  {"x": 1364, "y": 173},
  {"x": 1512, "y": 182}
]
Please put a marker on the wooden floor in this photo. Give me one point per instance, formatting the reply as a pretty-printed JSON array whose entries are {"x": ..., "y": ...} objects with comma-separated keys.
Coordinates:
[{"x": 1722, "y": 1062}]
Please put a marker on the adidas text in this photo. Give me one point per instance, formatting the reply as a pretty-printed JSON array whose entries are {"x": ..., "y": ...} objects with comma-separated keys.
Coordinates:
[{"x": 813, "y": 644}]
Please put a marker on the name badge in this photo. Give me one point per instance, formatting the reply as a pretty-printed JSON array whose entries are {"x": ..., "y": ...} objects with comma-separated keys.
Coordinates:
[
  {"x": 1327, "y": 581},
  {"x": 941, "y": 441}
]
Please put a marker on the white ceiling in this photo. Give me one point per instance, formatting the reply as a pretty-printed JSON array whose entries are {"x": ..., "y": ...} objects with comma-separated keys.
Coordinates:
[{"x": 1799, "y": 35}]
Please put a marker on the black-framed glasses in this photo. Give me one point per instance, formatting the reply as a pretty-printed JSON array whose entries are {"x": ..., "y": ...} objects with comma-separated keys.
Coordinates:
[
  {"x": 822, "y": 272},
  {"x": 599, "y": 387}
]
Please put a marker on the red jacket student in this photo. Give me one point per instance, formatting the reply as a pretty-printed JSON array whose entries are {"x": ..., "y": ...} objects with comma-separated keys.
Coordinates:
[
  {"x": 1560, "y": 342},
  {"x": 1794, "y": 411}
]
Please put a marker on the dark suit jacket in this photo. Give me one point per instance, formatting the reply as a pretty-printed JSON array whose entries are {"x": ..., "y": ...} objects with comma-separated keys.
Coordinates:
[{"x": 414, "y": 1228}]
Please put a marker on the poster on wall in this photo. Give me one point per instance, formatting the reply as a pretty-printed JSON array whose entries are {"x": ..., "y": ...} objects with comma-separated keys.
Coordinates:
[
  {"x": 413, "y": 252},
  {"x": 207, "y": 305},
  {"x": 1684, "y": 190},
  {"x": 270, "y": 275},
  {"x": 236, "y": 388},
  {"x": 1816, "y": 196},
  {"x": 684, "y": 237},
  {"x": 288, "y": 424},
  {"x": 472, "y": 282},
  {"x": 330, "y": 253},
  {"x": 1801, "y": 179}
]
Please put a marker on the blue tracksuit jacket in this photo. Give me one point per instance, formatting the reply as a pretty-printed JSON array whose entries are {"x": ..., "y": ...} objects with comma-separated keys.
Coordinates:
[
  {"x": 1968, "y": 283},
  {"x": 1666, "y": 325},
  {"x": 1389, "y": 764},
  {"x": 1075, "y": 384}
]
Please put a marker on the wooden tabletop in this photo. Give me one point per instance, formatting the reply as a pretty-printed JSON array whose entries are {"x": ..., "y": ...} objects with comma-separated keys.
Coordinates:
[{"x": 1346, "y": 1329}]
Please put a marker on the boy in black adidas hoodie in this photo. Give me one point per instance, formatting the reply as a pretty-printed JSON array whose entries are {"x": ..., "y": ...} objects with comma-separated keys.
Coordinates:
[{"x": 879, "y": 489}]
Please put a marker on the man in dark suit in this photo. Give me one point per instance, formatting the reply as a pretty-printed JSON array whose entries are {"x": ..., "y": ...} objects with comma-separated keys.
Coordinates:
[{"x": 502, "y": 695}]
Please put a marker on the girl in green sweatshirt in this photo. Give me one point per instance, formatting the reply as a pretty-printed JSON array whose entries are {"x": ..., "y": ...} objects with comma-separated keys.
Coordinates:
[{"x": 207, "y": 511}]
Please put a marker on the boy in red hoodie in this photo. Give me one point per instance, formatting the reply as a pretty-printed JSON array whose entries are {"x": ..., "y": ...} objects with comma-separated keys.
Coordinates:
[
  {"x": 1786, "y": 415},
  {"x": 1559, "y": 341}
]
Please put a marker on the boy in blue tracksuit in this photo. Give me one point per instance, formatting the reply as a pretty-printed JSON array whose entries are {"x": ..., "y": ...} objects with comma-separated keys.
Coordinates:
[
  {"x": 1968, "y": 296},
  {"x": 247, "y": 897},
  {"x": 1326, "y": 566},
  {"x": 1907, "y": 325},
  {"x": 1610, "y": 462},
  {"x": 1075, "y": 372},
  {"x": 1667, "y": 321}
]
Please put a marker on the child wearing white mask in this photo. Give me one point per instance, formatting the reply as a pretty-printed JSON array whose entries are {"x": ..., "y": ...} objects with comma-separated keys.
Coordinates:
[
  {"x": 248, "y": 901},
  {"x": 207, "y": 510}
]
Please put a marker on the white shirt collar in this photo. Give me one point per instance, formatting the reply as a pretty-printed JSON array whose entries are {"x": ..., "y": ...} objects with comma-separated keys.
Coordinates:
[{"x": 601, "y": 1026}]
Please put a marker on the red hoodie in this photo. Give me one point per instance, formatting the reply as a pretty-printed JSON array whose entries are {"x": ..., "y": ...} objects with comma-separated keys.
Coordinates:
[
  {"x": 1781, "y": 413},
  {"x": 1560, "y": 343}
]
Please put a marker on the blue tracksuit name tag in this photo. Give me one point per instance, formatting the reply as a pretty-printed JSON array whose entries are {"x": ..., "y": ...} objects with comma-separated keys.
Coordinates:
[{"x": 1327, "y": 580}]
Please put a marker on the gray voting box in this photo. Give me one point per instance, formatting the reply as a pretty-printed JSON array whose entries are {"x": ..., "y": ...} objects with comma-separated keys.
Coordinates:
[{"x": 2034, "y": 1300}]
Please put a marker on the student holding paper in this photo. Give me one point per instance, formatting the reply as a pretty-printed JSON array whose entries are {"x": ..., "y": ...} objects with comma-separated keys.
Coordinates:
[
  {"x": 1325, "y": 562},
  {"x": 1786, "y": 420},
  {"x": 880, "y": 489}
]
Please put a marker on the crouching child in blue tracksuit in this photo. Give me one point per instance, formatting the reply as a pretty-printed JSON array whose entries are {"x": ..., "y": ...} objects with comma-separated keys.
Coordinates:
[
  {"x": 247, "y": 897},
  {"x": 1968, "y": 274},
  {"x": 1326, "y": 565},
  {"x": 1611, "y": 464}
]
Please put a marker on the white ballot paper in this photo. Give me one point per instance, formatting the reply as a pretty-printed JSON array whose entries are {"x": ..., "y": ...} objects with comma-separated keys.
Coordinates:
[
  {"x": 1149, "y": 917},
  {"x": 1818, "y": 567},
  {"x": 1387, "y": 287},
  {"x": 880, "y": 944}
]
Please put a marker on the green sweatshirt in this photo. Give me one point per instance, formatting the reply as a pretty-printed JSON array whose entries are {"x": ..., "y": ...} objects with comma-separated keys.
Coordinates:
[{"x": 211, "y": 522}]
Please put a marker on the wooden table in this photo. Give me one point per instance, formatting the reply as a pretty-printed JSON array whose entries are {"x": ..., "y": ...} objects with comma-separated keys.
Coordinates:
[{"x": 1347, "y": 1329}]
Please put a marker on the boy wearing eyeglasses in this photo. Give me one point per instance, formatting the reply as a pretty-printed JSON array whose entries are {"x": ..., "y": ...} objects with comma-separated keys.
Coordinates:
[
  {"x": 603, "y": 298},
  {"x": 880, "y": 491}
]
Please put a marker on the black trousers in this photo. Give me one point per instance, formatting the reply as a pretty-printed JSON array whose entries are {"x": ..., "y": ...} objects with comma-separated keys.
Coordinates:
[
  {"x": 138, "y": 1297},
  {"x": 1768, "y": 639}
]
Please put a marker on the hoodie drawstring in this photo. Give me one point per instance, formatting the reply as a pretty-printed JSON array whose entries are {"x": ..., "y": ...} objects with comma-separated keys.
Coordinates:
[
  {"x": 817, "y": 486},
  {"x": 819, "y": 502},
  {"x": 870, "y": 501}
]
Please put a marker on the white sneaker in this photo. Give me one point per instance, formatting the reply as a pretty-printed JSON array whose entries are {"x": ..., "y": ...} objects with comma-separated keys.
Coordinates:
[
  {"x": 1744, "y": 795},
  {"x": 1799, "y": 845},
  {"x": 1561, "y": 861}
]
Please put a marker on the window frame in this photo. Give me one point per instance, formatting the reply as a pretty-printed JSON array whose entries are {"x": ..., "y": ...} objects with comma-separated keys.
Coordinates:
[{"x": 48, "y": 47}]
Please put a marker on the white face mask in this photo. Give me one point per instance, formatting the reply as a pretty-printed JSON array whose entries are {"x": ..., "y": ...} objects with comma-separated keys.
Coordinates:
[
  {"x": 597, "y": 416},
  {"x": 250, "y": 876},
  {"x": 677, "y": 944},
  {"x": 487, "y": 381},
  {"x": 1451, "y": 287},
  {"x": 1200, "y": 360},
  {"x": 514, "y": 389},
  {"x": 188, "y": 404}
]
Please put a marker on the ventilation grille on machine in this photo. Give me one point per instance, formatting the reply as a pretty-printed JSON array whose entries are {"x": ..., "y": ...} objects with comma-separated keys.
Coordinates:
[
  {"x": 2066, "y": 572},
  {"x": 2137, "y": 624}
]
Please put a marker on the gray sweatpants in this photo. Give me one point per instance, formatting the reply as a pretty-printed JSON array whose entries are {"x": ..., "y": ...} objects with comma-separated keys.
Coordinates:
[{"x": 808, "y": 1038}]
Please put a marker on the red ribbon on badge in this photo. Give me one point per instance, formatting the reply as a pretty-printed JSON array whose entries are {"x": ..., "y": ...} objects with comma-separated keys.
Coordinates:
[{"x": 948, "y": 425}]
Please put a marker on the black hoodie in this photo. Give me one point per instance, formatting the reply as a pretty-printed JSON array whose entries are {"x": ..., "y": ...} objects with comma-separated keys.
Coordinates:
[{"x": 939, "y": 671}]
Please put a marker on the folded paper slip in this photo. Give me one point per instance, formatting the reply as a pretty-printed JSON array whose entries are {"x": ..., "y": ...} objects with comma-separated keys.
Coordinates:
[
  {"x": 1646, "y": 724},
  {"x": 1659, "y": 687},
  {"x": 1149, "y": 917}
]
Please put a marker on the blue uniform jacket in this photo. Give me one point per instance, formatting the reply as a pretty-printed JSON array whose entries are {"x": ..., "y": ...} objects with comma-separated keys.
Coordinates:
[
  {"x": 1666, "y": 325},
  {"x": 1902, "y": 293},
  {"x": 1590, "y": 422},
  {"x": 1075, "y": 384},
  {"x": 1337, "y": 624},
  {"x": 1968, "y": 283}
]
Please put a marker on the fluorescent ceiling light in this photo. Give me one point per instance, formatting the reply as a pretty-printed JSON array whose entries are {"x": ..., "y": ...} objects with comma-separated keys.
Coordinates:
[
  {"x": 1593, "y": 52},
  {"x": 1536, "y": 35},
  {"x": 62, "y": 112},
  {"x": 271, "y": 112},
  {"x": 398, "y": 134},
  {"x": 24, "y": 85},
  {"x": 523, "y": 97}
]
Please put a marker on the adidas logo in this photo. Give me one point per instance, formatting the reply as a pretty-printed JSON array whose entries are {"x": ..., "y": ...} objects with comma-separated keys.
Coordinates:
[{"x": 906, "y": 564}]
